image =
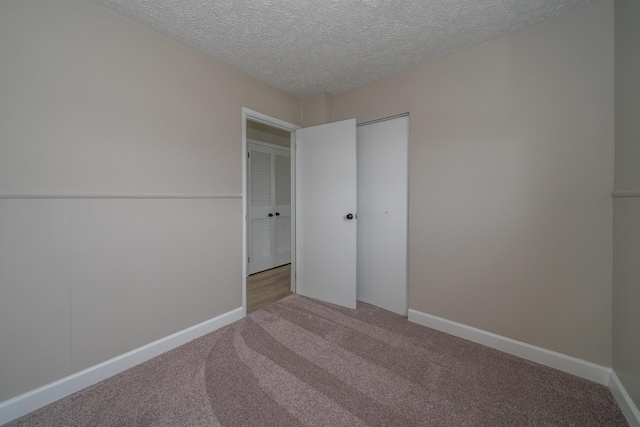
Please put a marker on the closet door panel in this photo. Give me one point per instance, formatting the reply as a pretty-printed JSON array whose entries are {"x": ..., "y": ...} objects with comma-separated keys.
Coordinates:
[
  {"x": 388, "y": 214},
  {"x": 261, "y": 254},
  {"x": 260, "y": 205},
  {"x": 282, "y": 208},
  {"x": 382, "y": 214}
]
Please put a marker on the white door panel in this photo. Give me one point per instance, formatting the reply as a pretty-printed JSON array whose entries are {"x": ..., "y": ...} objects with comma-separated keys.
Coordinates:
[
  {"x": 382, "y": 222},
  {"x": 326, "y": 193}
]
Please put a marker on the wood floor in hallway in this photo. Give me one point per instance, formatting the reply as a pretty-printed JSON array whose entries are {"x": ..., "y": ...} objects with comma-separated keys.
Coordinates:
[{"x": 267, "y": 287}]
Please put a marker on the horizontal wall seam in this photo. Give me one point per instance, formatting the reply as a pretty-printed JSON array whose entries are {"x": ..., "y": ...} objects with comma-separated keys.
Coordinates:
[
  {"x": 119, "y": 196},
  {"x": 625, "y": 193}
]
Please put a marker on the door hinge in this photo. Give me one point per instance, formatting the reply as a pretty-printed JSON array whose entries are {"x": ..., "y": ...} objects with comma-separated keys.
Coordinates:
[
  {"x": 248, "y": 260},
  {"x": 248, "y": 154}
]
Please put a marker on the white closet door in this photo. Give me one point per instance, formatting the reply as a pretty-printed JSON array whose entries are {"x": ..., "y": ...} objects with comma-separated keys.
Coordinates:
[
  {"x": 260, "y": 207},
  {"x": 383, "y": 214},
  {"x": 269, "y": 207},
  {"x": 282, "y": 208}
]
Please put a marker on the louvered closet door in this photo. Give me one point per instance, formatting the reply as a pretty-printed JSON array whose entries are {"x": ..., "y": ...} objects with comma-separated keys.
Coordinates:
[
  {"x": 269, "y": 208},
  {"x": 282, "y": 221},
  {"x": 260, "y": 206}
]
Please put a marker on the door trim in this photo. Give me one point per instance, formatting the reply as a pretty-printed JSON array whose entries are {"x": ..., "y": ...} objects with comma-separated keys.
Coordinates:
[{"x": 256, "y": 116}]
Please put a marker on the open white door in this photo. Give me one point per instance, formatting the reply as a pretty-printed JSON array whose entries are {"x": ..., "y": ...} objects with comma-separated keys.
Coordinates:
[{"x": 326, "y": 200}]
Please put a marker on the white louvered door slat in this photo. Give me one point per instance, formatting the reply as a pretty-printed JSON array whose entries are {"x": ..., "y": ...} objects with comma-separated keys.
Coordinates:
[
  {"x": 261, "y": 230},
  {"x": 260, "y": 178},
  {"x": 283, "y": 178}
]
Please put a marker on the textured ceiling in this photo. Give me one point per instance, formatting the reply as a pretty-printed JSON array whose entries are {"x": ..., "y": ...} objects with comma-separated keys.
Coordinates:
[{"x": 310, "y": 46}]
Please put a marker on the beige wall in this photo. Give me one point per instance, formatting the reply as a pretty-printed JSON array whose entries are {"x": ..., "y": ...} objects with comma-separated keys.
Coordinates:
[
  {"x": 316, "y": 109},
  {"x": 626, "y": 238},
  {"x": 511, "y": 171},
  {"x": 627, "y": 95},
  {"x": 94, "y": 104}
]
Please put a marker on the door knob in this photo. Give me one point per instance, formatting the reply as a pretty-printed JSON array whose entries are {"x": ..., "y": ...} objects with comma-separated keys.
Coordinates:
[
  {"x": 277, "y": 213},
  {"x": 270, "y": 215},
  {"x": 349, "y": 216}
]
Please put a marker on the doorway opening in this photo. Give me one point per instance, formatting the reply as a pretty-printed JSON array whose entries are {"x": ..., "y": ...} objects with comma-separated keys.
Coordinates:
[
  {"x": 323, "y": 238},
  {"x": 269, "y": 226},
  {"x": 267, "y": 287}
]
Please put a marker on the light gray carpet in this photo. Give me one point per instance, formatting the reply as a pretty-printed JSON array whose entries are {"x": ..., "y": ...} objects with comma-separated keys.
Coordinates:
[{"x": 303, "y": 362}]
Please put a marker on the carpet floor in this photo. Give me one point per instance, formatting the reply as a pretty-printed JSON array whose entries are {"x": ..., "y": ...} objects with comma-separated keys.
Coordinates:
[{"x": 301, "y": 362}]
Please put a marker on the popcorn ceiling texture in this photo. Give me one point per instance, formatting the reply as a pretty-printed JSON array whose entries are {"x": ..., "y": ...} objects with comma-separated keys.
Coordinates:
[{"x": 308, "y": 46}]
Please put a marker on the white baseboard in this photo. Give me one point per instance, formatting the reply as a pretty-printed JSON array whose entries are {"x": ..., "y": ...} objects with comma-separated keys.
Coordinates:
[
  {"x": 42, "y": 396},
  {"x": 581, "y": 368},
  {"x": 629, "y": 409}
]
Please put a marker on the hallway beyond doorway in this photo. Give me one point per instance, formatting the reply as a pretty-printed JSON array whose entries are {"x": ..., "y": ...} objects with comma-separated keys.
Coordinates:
[{"x": 267, "y": 287}]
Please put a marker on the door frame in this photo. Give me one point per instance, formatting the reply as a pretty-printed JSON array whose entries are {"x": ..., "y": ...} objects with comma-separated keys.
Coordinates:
[{"x": 256, "y": 116}]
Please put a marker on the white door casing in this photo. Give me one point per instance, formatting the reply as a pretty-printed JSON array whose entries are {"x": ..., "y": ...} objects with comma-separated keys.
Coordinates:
[{"x": 326, "y": 193}]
